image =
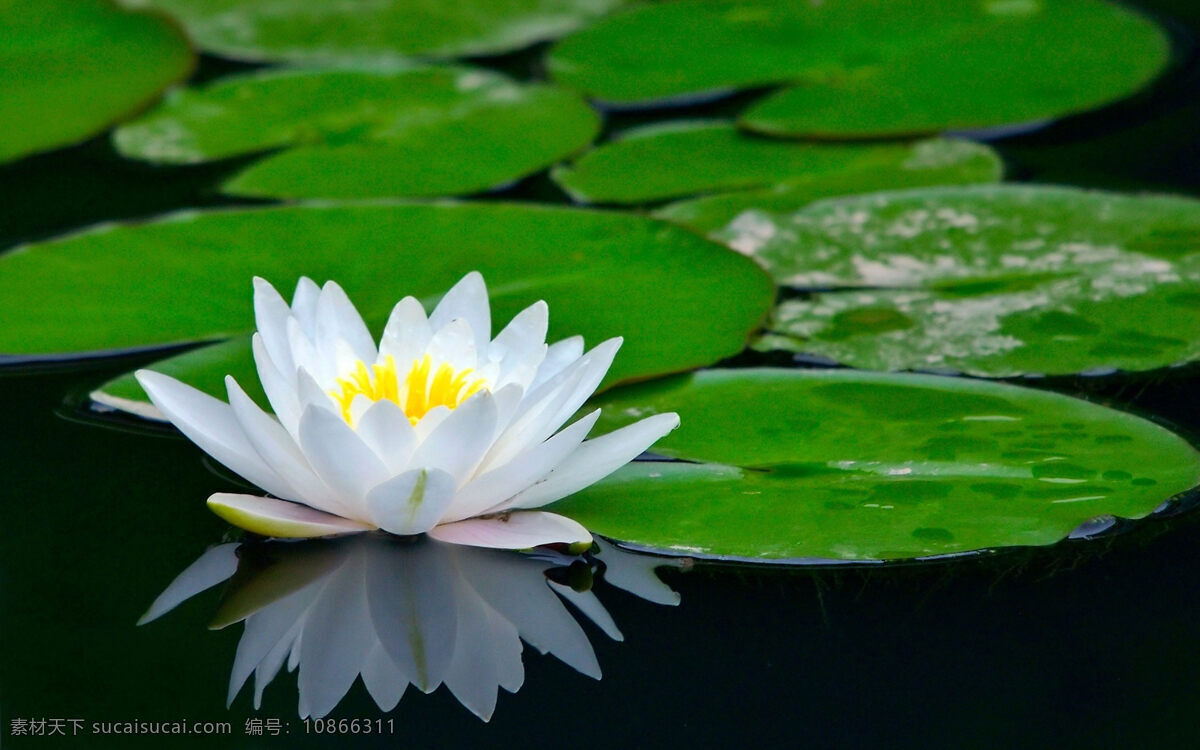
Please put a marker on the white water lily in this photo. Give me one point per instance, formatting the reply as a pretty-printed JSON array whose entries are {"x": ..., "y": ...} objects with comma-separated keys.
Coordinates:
[{"x": 438, "y": 429}]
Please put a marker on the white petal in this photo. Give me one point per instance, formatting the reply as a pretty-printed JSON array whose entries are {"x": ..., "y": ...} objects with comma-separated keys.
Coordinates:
[
  {"x": 430, "y": 422},
  {"x": 309, "y": 393},
  {"x": 210, "y": 424},
  {"x": 271, "y": 314},
  {"x": 558, "y": 356},
  {"x": 279, "y": 451},
  {"x": 523, "y": 339},
  {"x": 340, "y": 458},
  {"x": 280, "y": 390},
  {"x": 280, "y": 518},
  {"x": 455, "y": 344},
  {"x": 513, "y": 531},
  {"x": 337, "y": 319},
  {"x": 304, "y": 305},
  {"x": 338, "y": 636},
  {"x": 306, "y": 356},
  {"x": 637, "y": 573},
  {"x": 488, "y": 490},
  {"x": 487, "y": 655},
  {"x": 217, "y": 564},
  {"x": 407, "y": 334},
  {"x": 385, "y": 428},
  {"x": 587, "y": 603},
  {"x": 411, "y": 503},
  {"x": 458, "y": 443},
  {"x": 267, "y": 638},
  {"x": 383, "y": 679},
  {"x": 596, "y": 459},
  {"x": 467, "y": 300}
]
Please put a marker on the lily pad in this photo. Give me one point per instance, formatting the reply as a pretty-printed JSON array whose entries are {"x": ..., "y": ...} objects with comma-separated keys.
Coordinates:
[
  {"x": 334, "y": 30},
  {"x": 691, "y": 158},
  {"x": 840, "y": 465},
  {"x": 186, "y": 278},
  {"x": 354, "y": 133},
  {"x": 994, "y": 281},
  {"x": 866, "y": 68},
  {"x": 71, "y": 68}
]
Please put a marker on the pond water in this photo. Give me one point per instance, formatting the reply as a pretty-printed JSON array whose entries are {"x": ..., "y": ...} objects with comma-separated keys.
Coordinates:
[{"x": 1088, "y": 644}]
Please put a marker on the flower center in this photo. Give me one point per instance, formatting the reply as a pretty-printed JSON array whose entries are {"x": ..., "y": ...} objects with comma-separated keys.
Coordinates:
[{"x": 420, "y": 390}]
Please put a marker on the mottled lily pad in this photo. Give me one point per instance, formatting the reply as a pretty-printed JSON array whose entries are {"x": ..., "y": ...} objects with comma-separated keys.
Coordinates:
[
  {"x": 868, "y": 68},
  {"x": 356, "y": 133},
  {"x": 989, "y": 280},
  {"x": 336, "y": 30},
  {"x": 71, "y": 68},
  {"x": 692, "y": 158},
  {"x": 186, "y": 278},
  {"x": 850, "y": 466}
]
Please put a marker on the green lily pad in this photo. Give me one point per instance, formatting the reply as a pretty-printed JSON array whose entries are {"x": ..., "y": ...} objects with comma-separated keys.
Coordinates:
[
  {"x": 841, "y": 465},
  {"x": 365, "y": 133},
  {"x": 989, "y": 280},
  {"x": 334, "y": 30},
  {"x": 865, "y": 68},
  {"x": 71, "y": 68},
  {"x": 690, "y": 158},
  {"x": 680, "y": 301}
]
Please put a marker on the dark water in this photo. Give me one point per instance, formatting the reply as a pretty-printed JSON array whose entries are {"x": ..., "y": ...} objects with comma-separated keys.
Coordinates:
[{"x": 1085, "y": 645}]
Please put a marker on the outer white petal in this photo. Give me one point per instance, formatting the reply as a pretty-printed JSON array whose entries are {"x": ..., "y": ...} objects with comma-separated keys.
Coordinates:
[
  {"x": 309, "y": 393},
  {"x": 304, "y": 305},
  {"x": 280, "y": 518},
  {"x": 594, "y": 460},
  {"x": 467, "y": 300},
  {"x": 513, "y": 531},
  {"x": 411, "y": 503},
  {"x": 340, "y": 458},
  {"x": 522, "y": 343},
  {"x": 458, "y": 443},
  {"x": 217, "y": 564},
  {"x": 279, "y": 451},
  {"x": 385, "y": 428},
  {"x": 210, "y": 424},
  {"x": 384, "y": 680},
  {"x": 338, "y": 319},
  {"x": 407, "y": 334},
  {"x": 490, "y": 489},
  {"x": 558, "y": 356},
  {"x": 280, "y": 389},
  {"x": 306, "y": 356},
  {"x": 455, "y": 343},
  {"x": 271, "y": 314}
]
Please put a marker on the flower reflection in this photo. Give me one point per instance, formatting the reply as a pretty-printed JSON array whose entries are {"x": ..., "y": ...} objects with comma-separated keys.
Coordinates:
[{"x": 399, "y": 612}]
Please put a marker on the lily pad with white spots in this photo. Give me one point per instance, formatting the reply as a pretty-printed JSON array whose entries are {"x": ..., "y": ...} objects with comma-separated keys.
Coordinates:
[
  {"x": 675, "y": 160},
  {"x": 603, "y": 275},
  {"x": 837, "y": 465},
  {"x": 870, "y": 68},
  {"x": 988, "y": 280},
  {"x": 350, "y": 133},
  {"x": 320, "y": 31},
  {"x": 72, "y": 68}
]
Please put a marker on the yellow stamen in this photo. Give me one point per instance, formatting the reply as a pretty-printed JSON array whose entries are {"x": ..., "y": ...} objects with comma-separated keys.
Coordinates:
[{"x": 416, "y": 393}]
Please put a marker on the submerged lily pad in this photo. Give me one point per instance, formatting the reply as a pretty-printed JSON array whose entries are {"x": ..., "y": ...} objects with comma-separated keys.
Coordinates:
[
  {"x": 690, "y": 158},
  {"x": 843, "y": 465},
  {"x": 989, "y": 280},
  {"x": 865, "y": 68},
  {"x": 336, "y": 30},
  {"x": 71, "y": 68},
  {"x": 354, "y": 133},
  {"x": 680, "y": 301}
]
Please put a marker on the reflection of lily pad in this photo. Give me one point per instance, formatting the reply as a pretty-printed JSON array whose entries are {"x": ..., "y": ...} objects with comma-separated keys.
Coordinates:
[
  {"x": 326, "y": 30},
  {"x": 845, "y": 465},
  {"x": 691, "y": 158},
  {"x": 364, "y": 133},
  {"x": 869, "y": 68},
  {"x": 989, "y": 280},
  {"x": 73, "y": 67},
  {"x": 603, "y": 274}
]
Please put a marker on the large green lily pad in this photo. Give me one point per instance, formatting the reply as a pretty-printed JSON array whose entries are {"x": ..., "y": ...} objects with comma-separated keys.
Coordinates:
[
  {"x": 989, "y": 280},
  {"x": 868, "y": 68},
  {"x": 357, "y": 133},
  {"x": 71, "y": 68},
  {"x": 680, "y": 301},
  {"x": 844, "y": 465},
  {"x": 336, "y": 30},
  {"x": 691, "y": 158}
]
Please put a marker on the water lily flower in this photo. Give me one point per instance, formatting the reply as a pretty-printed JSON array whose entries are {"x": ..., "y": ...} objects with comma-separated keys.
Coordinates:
[{"x": 438, "y": 429}]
